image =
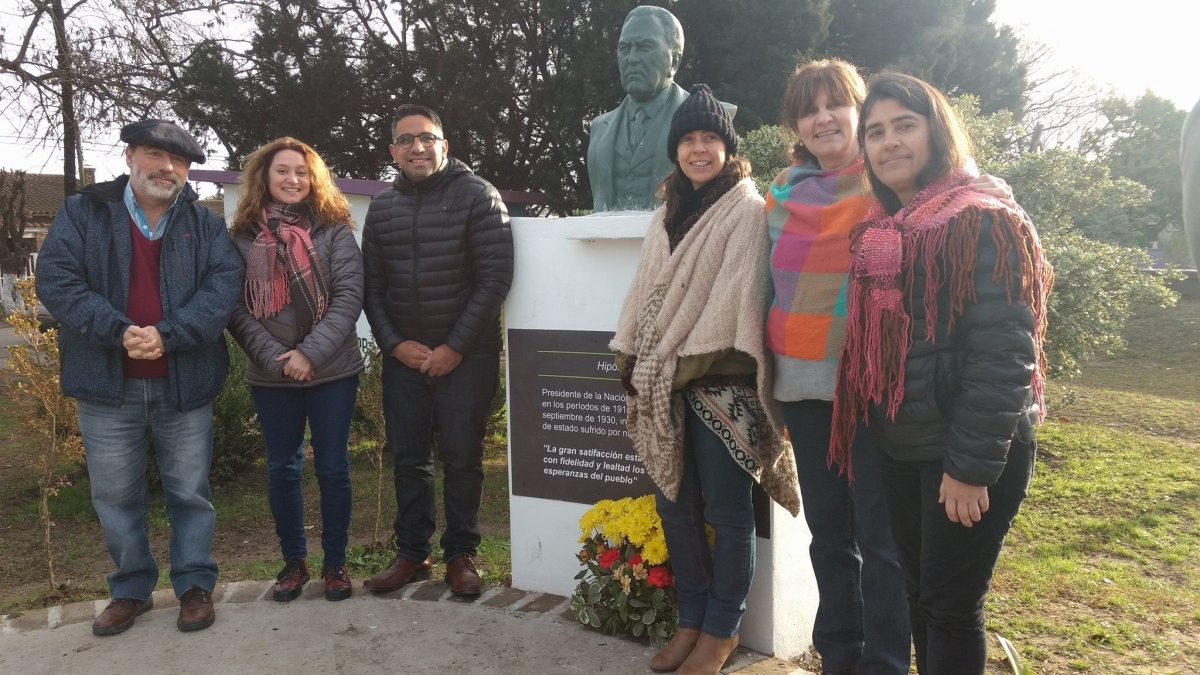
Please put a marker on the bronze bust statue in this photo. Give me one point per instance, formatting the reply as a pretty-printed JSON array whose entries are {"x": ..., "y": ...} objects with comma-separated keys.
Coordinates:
[{"x": 627, "y": 153}]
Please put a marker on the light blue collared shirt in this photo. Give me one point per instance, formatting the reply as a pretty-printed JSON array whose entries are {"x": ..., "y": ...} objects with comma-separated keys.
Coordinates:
[{"x": 139, "y": 216}]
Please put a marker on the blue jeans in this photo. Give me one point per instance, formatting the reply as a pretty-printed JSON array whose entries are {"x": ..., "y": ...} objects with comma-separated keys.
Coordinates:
[
  {"x": 711, "y": 585},
  {"x": 949, "y": 567},
  {"x": 455, "y": 406},
  {"x": 862, "y": 619},
  {"x": 115, "y": 442},
  {"x": 283, "y": 412}
]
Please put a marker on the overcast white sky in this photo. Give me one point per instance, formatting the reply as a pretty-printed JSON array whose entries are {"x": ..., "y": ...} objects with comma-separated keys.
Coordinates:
[{"x": 1131, "y": 47}]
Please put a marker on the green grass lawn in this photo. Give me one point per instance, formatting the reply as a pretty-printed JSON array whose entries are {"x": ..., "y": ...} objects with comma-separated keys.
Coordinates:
[
  {"x": 244, "y": 543},
  {"x": 1101, "y": 572}
]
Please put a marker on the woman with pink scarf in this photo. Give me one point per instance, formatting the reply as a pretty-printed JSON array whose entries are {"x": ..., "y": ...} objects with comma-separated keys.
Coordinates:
[
  {"x": 946, "y": 314},
  {"x": 861, "y": 625},
  {"x": 296, "y": 322}
]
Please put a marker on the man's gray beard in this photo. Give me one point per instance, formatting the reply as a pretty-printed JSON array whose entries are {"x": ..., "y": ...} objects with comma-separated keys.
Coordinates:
[{"x": 153, "y": 190}]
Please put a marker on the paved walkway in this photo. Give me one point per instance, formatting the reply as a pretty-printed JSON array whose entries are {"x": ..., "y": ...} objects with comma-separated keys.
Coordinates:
[{"x": 420, "y": 629}]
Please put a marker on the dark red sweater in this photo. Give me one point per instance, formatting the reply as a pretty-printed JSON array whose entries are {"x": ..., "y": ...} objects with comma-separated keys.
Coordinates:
[{"x": 145, "y": 302}]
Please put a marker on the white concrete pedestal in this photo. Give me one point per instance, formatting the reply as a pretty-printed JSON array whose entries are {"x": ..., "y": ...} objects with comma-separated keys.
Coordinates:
[{"x": 571, "y": 276}]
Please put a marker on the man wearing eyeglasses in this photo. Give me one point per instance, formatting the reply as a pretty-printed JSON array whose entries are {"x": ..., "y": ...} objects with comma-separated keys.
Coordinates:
[{"x": 439, "y": 262}]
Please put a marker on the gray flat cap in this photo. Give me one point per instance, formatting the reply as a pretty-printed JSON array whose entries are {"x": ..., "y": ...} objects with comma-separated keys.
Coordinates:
[{"x": 165, "y": 135}]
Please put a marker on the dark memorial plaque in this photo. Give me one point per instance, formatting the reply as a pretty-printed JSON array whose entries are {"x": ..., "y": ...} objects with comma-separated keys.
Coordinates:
[
  {"x": 567, "y": 417},
  {"x": 567, "y": 422}
]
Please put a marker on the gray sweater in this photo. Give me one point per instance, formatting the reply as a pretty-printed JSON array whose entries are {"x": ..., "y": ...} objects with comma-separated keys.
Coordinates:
[{"x": 332, "y": 345}]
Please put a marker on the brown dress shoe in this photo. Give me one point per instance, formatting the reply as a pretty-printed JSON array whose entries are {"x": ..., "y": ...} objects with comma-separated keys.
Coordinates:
[
  {"x": 462, "y": 576},
  {"x": 399, "y": 572},
  {"x": 196, "y": 610},
  {"x": 709, "y": 655},
  {"x": 337, "y": 583},
  {"x": 289, "y": 583},
  {"x": 119, "y": 615},
  {"x": 672, "y": 656}
]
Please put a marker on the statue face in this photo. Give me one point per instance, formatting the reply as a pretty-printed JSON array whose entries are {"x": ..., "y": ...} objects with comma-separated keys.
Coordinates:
[{"x": 645, "y": 59}]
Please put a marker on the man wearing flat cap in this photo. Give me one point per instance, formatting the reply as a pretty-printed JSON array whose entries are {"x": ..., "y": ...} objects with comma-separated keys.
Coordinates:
[{"x": 143, "y": 280}]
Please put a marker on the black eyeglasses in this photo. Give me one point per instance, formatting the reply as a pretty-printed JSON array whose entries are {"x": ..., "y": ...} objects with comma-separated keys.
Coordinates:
[{"x": 427, "y": 139}]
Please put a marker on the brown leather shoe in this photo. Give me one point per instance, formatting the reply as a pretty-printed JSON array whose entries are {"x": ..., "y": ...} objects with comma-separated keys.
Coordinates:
[
  {"x": 196, "y": 610},
  {"x": 462, "y": 576},
  {"x": 709, "y": 655},
  {"x": 289, "y": 583},
  {"x": 337, "y": 583},
  {"x": 672, "y": 656},
  {"x": 119, "y": 615},
  {"x": 399, "y": 572}
]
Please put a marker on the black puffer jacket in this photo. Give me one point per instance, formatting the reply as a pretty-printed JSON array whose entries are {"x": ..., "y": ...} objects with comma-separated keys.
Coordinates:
[
  {"x": 439, "y": 262},
  {"x": 967, "y": 392}
]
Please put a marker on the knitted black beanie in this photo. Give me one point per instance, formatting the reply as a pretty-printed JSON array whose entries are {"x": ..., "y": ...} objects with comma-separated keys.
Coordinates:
[{"x": 701, "y": 112}]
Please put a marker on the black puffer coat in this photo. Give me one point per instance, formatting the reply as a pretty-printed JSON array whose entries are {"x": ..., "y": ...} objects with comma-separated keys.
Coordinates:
[
  {"x": 967, "y": 392},
  {"x": 439, "y": 262}
]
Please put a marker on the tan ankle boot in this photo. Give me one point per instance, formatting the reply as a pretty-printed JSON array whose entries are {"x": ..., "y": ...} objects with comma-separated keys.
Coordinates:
[
  {"x": 709, "y": 655},
  {"x": 673, "y": 655}
]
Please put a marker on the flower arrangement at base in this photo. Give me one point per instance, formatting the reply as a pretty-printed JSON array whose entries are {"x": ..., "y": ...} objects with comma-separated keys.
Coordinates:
[{"x": 626, "y": 585}]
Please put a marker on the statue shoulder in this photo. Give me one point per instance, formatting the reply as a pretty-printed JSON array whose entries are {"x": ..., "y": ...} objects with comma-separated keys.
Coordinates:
[{"x": 604, "y": 119}]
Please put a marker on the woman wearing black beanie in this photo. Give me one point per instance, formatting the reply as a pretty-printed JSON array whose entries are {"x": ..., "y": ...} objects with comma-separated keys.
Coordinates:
[{"x": 690, "y": 348}]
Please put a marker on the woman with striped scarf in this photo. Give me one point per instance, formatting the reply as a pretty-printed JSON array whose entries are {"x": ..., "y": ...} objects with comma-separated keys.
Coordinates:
[{"x": 296, "y": 322}]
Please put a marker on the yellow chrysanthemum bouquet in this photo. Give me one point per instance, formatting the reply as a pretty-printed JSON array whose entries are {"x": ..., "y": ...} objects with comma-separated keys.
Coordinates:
[{"x": 626, "y": 585}]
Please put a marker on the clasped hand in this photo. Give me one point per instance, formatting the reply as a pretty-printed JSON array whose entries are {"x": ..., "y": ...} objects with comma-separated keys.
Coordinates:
[
  {"x": 142, "y": 342},
  {"x": 298, "y": 367},
  {"x": 434, "y": 362}
]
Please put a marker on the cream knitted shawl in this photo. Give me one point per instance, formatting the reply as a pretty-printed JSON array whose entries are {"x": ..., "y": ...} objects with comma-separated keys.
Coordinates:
[{"x": 710, "y": 295}]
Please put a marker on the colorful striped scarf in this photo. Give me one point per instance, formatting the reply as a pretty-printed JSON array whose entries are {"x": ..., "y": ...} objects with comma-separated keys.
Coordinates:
[
  {"x": 887, "y": 249},
  {"x": 282, "y": 266},
  {"x": 809, "y": 218}
]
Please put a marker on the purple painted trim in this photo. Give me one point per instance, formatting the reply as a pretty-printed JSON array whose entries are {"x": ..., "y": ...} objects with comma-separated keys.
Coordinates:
[{"x": 357, "y": 186}]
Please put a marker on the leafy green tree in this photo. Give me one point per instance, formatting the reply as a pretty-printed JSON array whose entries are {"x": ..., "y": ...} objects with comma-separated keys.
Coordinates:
[
  {"x": 951, "y": 43},
  {"x": 1096, "y": 288},
  {"x": 1088, "y": 222},
  {"x": 1139, "y": 140},
  {"x": 746, "y": 50},
  {"x": 300, "y": 54},
  {"x": 767, "y": 149}
]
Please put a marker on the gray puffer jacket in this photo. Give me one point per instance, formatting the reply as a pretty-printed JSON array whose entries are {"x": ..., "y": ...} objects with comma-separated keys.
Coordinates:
[{"x": 332, "y": 346}]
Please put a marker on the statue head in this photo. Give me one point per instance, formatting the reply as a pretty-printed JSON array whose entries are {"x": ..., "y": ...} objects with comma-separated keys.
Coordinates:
[{"x": 649, "y": 51}]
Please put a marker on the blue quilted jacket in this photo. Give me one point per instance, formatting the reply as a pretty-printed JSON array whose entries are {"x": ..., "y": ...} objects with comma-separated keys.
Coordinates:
[{"x": 83, "y": 280}]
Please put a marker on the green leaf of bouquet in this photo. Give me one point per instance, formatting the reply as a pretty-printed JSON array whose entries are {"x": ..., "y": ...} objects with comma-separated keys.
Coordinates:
[{"x": 649, "y": 616}]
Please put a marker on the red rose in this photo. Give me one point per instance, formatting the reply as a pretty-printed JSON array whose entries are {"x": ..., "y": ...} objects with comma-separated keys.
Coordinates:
[
  {"x": 636, "y": 559},
  {"x": 609, "y": 557},
  {"x": 659, "y": 577}
]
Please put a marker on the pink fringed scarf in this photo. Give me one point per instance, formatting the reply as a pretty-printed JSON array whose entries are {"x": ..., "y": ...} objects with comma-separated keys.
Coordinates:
[
  {"x": 886, "y": 248},
  {"x": 272, "y": 283}
]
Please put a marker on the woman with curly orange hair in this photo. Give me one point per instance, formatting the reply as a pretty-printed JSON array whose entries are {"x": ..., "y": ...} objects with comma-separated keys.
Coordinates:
[{"x": 302, "y": 297}]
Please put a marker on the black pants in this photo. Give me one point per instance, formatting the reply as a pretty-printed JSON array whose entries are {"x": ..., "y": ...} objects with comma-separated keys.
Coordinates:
[
  {"x": 947, "y": 567},
  {"x": 456, "y": 406}
]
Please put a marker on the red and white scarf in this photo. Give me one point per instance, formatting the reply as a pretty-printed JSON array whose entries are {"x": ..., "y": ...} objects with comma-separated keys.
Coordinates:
[
  {"x": 282, "y": 267},
  {"x": 886, "y": 249}
]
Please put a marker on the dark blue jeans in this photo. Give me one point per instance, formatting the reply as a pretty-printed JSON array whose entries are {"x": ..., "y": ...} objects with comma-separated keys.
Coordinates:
[
  {"x": 283, "y": 412},
  {"x": 949, "y": 567},
  {"x": 455, "y": 406},
  {"x": 861, "y": 621},
  {"x": 712, "y": 585}
]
